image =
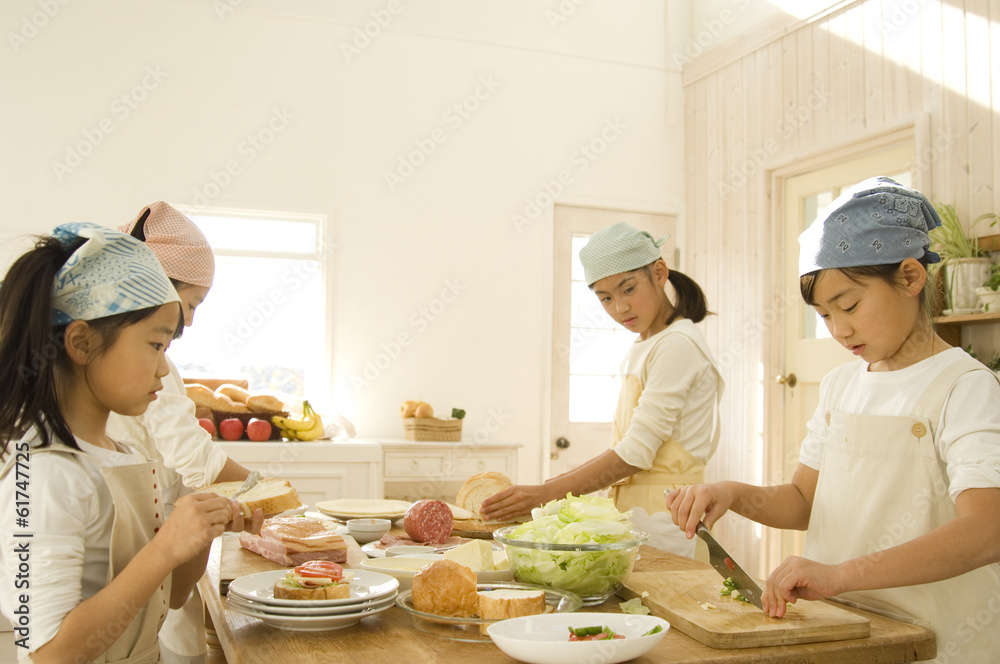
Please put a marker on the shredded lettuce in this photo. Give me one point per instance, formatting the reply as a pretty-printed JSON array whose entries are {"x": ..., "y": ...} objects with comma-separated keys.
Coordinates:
[{"x": 574, "y": 520}]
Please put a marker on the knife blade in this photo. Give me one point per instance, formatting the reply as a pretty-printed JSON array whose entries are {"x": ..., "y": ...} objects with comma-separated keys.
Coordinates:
[
  {"x": 727, "y": 567},
  {"x": 248, "y": 483}
]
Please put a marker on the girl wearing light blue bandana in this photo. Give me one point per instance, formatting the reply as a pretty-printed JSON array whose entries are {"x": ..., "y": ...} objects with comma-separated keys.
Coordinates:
[
  {"x": 665, "y": 427},
  {"x": 898, "y": 479},
  {"x": 85, "y": 318}
]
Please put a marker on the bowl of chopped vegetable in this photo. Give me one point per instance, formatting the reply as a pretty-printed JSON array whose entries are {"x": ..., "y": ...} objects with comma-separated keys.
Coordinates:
[{"x": 582, "y": 544}]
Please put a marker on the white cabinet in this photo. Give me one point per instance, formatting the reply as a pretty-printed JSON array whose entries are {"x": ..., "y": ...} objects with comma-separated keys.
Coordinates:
[
  {"x": 319, "y": 470},
  {"x": 415, "y": 470}
]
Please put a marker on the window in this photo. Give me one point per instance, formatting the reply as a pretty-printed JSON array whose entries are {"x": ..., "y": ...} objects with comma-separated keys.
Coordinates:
[{"x": 265, "y": 317}]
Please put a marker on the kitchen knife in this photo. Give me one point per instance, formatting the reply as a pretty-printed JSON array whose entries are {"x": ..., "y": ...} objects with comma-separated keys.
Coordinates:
[
  {"x": 248, "y": 484},
  {"x": 727, "y": 567}
]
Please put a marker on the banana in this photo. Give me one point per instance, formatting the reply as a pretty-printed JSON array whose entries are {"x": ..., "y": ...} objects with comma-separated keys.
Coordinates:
[{"x": 310, "y": 427}]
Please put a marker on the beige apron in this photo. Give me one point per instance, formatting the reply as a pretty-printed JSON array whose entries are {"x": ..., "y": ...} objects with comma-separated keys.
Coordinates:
[
  {"x": 881, "y": 484},
  {"x": 673, "y": 466},
  {"x": 135, "y": 493}
]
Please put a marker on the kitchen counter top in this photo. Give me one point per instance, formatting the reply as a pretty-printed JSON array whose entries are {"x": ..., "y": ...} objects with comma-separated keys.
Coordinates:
[{"x": 389, "y": 636}]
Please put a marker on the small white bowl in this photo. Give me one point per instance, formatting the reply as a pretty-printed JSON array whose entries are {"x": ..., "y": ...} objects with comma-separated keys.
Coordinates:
[
  {"x": 544, "y": 639},
  {"x": 367, "y": 530},
  {"x": 407, "y": 550}
]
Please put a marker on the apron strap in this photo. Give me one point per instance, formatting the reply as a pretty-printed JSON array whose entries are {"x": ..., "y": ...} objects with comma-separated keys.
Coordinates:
[{"x": 931, "y": 403}]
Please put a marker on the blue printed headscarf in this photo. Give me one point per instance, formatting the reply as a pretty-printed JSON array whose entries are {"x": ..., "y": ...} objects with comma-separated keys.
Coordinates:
[
  {"x": 875, "y": 222},
  {"x": 110, "y": 273}
]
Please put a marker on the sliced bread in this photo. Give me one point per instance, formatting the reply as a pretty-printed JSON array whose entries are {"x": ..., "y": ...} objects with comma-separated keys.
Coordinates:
[
  {"x": 270, "y": 495},
  {"x": 480, "y": 487}
]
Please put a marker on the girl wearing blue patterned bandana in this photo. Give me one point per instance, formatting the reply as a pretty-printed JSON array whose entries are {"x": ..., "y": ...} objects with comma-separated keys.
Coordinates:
[
  {"x": 85, "y": 318},
  {"x": 898, "y": 479},
  {"x": 666, "y": 424}
]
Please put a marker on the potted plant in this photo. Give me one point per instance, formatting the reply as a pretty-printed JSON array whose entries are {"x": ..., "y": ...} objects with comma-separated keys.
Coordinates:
[
  {"x": 965, "y": 264},
  {"x": 989, "y": 292}
]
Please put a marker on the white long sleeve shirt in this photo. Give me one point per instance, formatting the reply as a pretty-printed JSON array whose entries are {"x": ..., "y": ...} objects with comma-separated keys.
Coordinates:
[
  {"x": 967, "y": 434},
  {"x": 71, "y": 516}
]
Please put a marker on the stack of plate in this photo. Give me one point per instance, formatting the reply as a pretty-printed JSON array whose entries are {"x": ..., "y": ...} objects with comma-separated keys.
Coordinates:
[
  {"x": 351, "y": 508},
  {"x": 253, "y": 595}
]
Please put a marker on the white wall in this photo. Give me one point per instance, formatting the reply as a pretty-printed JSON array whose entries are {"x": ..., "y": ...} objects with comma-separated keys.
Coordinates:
[{"x": 561, "y": 72}]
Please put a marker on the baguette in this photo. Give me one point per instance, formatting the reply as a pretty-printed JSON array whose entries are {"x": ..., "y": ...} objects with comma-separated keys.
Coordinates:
[
  {"x": 284, "y": 589},
  {"x": 206, "y": 398},
  {"x": 270, "y": 495}
]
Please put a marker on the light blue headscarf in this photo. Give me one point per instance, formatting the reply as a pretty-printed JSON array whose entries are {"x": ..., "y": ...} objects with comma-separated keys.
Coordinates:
[
  {"x": 616, "y": 249},
  {"x": 111, "y": 273},
  {"x": 875, "y": 222}
]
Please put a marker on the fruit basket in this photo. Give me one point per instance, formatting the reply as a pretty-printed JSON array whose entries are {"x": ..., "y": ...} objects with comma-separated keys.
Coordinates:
[
  {"x": 218, "y": 416},
  {"x": 427, "y": 429}
]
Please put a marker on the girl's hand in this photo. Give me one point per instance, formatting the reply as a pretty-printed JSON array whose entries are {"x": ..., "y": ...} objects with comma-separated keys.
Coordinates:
[
  {"x": 240, "y": 524},
  {"x": 699, "y": 502},
  {"x": 512, "y": 502},
  {"x": 197, "y": 519},
  {"x": 798, "y": 578}
]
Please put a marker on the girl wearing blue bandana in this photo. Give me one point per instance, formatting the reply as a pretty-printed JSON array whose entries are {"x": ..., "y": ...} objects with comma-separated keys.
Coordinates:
[
  {"x": 665, "y": 427},
  {"x": 85, "y": 318},
  {"x": 898, "y": 481}
]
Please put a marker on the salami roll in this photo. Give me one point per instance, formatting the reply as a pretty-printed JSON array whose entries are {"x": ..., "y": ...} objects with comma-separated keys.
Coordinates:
[{"x": 429, "y": 521}]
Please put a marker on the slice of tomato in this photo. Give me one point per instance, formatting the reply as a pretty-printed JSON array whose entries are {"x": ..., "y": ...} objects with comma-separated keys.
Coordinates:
[{"x": 321, "y": 568}]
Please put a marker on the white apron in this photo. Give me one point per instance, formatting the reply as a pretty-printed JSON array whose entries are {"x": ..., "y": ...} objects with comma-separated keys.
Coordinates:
[
  {"x": 881, "y": 484},
  {"x": 673, "y": 467},
  {"x": 138, "y": 503}
]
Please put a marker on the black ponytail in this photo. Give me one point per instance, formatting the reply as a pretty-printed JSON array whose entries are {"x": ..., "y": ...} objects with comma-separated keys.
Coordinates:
[
  {"x": 31, "y": 348},
  {"x": 691, "y": 301}
]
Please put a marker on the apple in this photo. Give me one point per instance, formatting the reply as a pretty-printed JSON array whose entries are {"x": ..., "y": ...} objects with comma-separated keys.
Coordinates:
[
  {"x": 231, "y": 428},
  {"x": 409, "y": 407},
  {"x": 258, "y": 430},
  {"x": 208, "y": 425},
  {"x": 424, "y": 410}
]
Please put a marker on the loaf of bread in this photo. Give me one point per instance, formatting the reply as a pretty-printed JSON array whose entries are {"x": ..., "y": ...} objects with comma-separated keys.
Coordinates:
[
  {"x": 202, "y": 396},
  {"x": 270, "y": 495},
  {"x": 265, "y": 403},
  {"x": 446, "y": 588},
  {"x": 478, "y": 488},
  {"x": 505, "y": 603},
  {"x": 234, "y": 392}
]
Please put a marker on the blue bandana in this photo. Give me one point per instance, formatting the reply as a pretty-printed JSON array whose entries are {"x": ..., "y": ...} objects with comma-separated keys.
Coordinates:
[
  {"x": 111, "y": 273},
  {"x": 875, "y": 222}
]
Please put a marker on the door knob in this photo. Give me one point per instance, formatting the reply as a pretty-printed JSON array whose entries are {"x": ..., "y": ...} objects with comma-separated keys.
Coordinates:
[
  {"x": 790, "y": 380},
  {"x": 562, "y": 443}
]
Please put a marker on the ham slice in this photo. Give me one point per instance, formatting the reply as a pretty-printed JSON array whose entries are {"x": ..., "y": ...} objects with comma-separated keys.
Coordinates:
[
  {"x": 404, "y": 540},
  {"x": 293, "y": 540}
]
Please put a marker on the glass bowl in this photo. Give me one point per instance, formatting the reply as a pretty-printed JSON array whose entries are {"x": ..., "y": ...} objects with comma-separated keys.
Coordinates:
[
  {"x": 474, "y": 629},
  {"x": 592, "y": 571}
]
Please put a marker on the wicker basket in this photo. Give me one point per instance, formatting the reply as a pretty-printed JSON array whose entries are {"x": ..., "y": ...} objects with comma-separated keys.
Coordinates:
[{"x": 427, "y": 429}]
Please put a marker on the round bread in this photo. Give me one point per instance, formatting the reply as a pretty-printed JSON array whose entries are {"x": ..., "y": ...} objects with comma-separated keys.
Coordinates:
[
  {"x": 234, "y": 392},
  {"x": 446, "y": 588},
  {"x": 480, "y": 487},
  {"x": 264, "y": 403}
]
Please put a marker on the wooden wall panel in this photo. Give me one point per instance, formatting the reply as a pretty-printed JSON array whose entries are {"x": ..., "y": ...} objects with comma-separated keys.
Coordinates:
[{"x": 863, "y": 68}]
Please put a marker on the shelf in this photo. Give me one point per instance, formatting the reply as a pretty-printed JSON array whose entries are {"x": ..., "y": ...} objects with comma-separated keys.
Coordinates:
[{"x": 968, "y": 319}]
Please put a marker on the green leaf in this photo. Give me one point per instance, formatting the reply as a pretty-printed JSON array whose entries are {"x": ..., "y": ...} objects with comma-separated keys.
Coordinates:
[{"x": 457, "y": 413}]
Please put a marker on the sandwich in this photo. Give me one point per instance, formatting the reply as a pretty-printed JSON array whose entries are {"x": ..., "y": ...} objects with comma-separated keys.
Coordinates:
[
  {"x": 294, "y": 540},
  {"x": 315, "y": 580}
]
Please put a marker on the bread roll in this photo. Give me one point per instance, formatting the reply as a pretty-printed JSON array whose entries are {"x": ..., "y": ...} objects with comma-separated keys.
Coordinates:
[
  {"x": 284, "y": 590},
  {"x": 234, "y": 392},
  {"x": 446, "y": 588},
  {"x": 202, "y": 396},
  {"x": 265, "y": 403},
  {"x": 270, "y": 495},
  {"x": 480, "y": 487}
]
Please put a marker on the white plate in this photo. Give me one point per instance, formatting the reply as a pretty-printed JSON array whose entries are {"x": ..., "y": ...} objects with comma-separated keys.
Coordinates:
[
  {"x": 313, "y": 623},
  {"x": 412, "y": 564},
  {"x": 365, "y": 585},
  {"x": 358, "y": 508},
  {"x": 544, "y": 639},
  {"x": 270, "y": 609}
]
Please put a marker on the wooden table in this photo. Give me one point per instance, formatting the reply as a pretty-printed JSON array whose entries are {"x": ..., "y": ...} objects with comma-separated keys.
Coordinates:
[{"x": 390, "y": 637}]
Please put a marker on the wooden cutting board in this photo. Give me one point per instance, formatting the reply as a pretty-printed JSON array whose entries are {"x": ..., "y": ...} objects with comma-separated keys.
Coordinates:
[
  {"x": 477, "y": 529},
  {"x": 677, "y": 598},
  {"x": 235, "y": 561}
]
